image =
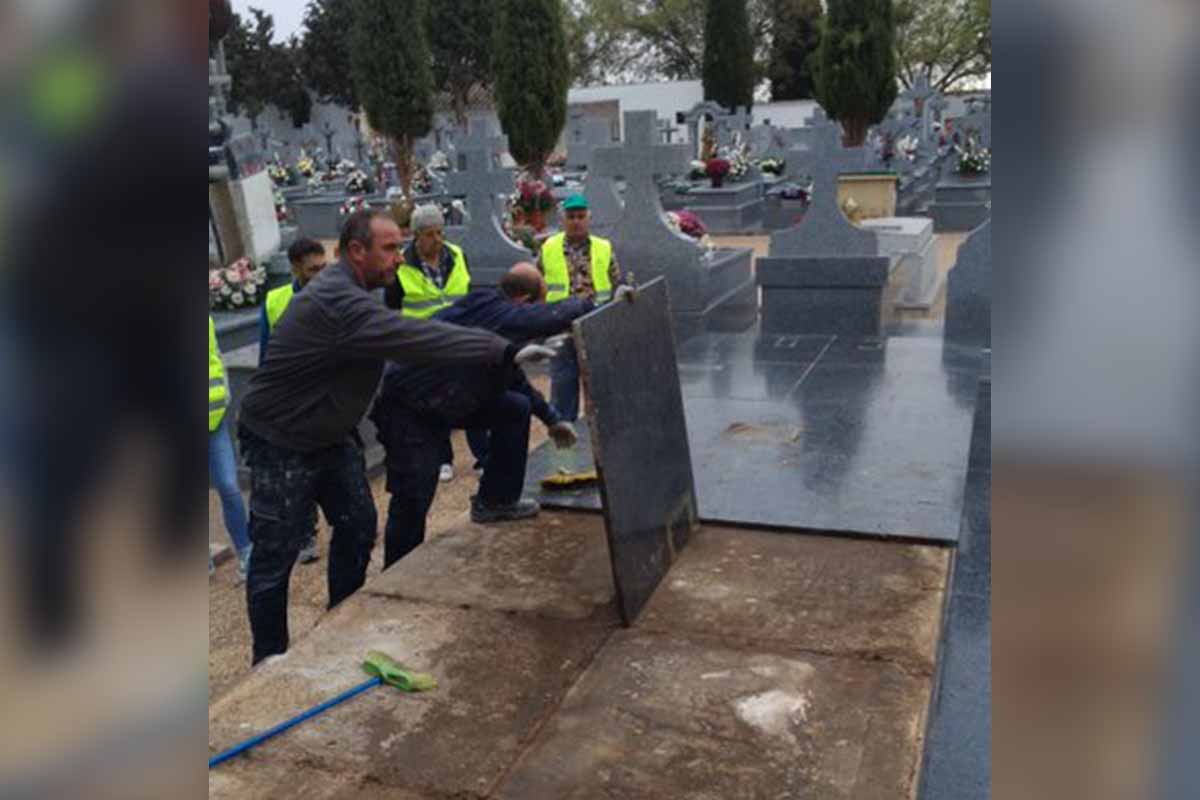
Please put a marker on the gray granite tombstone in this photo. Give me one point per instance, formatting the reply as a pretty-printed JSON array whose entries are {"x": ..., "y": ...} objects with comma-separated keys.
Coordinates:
[
  {"x": 603, "y": 201},
  {"x": 585, "y": 133},
  {"x": 489, "y": 252},
  {"x": 709, "y": 289},
  {"x": 649, "y": 513},
  {"x": 969, "y": 291},
  {"x": 962, "y": 202},
  {"x": 825, "y": 275},
  {"x": 706, "y": 111},
  {"x": 667, "y": 130},
  {"x": 731, "y": 124}
]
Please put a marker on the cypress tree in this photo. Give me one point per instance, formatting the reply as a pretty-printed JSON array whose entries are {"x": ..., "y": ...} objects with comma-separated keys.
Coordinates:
[
  {"x": 727, "y": 67},
  {"x": 390, "y": 62},
  {"x": 796, "y": 26},
  {"x": 855, "y": 65},
  {"x": 532, "y": 74}
]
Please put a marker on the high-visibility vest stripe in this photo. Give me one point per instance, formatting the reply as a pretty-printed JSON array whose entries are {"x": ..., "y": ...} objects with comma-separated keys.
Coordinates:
[{"x": 218, "y": 387}]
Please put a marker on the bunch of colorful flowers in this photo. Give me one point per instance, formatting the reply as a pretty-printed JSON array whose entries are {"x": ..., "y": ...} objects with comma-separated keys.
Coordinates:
[
  {"x": 698, "y": 171},
  {"x": 352, "y": 204},
  {"x": 974, "y": 159},
  {"x": 359, "y": 182},
  {"x": 717, "y": 167},
  {"x": 240, "y": 285},
  {"x": 305, "y": 165},
  {"x": 532, "y": 196},
  {"x": 281, "y": 209},
  {"x": 688, "y": 224}
]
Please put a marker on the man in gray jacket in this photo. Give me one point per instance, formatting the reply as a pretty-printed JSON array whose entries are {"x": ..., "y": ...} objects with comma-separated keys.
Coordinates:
[{"x": 303, "y": 404}]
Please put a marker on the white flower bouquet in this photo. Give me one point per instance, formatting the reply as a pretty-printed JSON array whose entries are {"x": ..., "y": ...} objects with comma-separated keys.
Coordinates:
[{"x": 240, "y": 285}]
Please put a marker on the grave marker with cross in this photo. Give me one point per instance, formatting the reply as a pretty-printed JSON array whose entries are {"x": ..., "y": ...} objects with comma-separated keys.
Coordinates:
[
  {"x": 644, "y": 242},
  {"x": 824, "y": 229},
  {"x": 489, "y": 252}
]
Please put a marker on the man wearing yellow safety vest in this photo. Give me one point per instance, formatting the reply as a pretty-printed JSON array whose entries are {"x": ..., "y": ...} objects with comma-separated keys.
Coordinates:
[
  {"x": 222, "y": 464},
  {"x": 307, "y": 257},
  {"x": 433, "y": 276},
  {"x": 575, "y": 264}
]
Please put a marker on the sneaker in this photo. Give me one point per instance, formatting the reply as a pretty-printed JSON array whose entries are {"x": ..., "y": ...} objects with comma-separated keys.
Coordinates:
[
  {"x": 522, "y": 509},
  {"x": 446, "y": 473},
  {"x": 310, "y": 553}
]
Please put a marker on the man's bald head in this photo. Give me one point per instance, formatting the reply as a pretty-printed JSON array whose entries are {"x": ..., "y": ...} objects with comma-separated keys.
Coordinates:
[{"x": 523, "y": 284}]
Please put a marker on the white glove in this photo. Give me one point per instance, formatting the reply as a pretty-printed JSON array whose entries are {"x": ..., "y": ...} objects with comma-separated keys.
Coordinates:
[
  {"x": 624, "y": 292},
  {"x": 533, "y": 354},
  {"x": 563, "y": 434}
]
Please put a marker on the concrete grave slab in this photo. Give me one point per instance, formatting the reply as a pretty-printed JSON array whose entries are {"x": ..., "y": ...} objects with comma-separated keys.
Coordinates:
[
  {"x": 910, "y": 240},
  {"x": 666, "y": 717},
  {"x": 538, "y": 566},
  {"x": 637, "y": 431},
  {"x": 456, "y": 740},
  {"x": 845, "y": 597}
]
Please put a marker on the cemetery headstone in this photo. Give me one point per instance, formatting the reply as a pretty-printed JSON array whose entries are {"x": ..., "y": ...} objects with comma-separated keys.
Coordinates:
[
  {"x": 825, "y": 275},
  {"x": 962, "y": 202},
  {"x": 585, "y": 133},
  {"x": 707, "y": 288},
  {"x": 910, "y": 240},
  {"x": 604, "y": 202},
  {"x": 667, "y": 130},
  {"x": 489, "y": 252},
  {"x": 706, "y": 112},
  {"x": 969, "y": 292},
  {"x": 649, "y": 515}
]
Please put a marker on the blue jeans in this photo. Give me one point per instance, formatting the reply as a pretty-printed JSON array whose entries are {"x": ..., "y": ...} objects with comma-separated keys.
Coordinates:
[
  {"x": 564, "y": 382},
  {"x": 222, "y": 471}
]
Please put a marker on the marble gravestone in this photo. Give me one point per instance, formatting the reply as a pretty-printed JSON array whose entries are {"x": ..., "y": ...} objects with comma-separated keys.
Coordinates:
[
  {"x": 635, "y": 419},
  {"x": 488, "y": 251},
  {"x": 585, "y": 133},
  {"x": 962, "y": 203},
  {"x": 969, "y": 292},
  {"x": 825, "y": 275},
  {"x": 709, "y": 289}
]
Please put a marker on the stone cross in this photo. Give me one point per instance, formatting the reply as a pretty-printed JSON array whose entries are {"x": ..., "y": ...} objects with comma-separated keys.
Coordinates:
[
  {"x": 824, "y": 229},
  {"x": 727, "y": 125},
  {"x": 638, "y": 161},
  {"x": 667, "y": 130},
  {"x": 478, "y": 178},
  {"x": 708, "y": 111}
]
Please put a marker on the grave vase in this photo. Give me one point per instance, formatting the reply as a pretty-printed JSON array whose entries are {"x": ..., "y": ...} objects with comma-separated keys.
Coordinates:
[{"x": 717, "y": 181}]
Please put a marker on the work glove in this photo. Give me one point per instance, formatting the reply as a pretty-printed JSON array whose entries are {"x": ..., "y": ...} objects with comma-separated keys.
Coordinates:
[
  {"x": 624, "y": 292},
  {"x": 533, "y": 354},
  {"x": 563, "y": 434}
]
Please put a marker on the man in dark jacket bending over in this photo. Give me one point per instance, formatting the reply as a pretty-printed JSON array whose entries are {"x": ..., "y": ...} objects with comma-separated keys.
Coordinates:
[
  {"x": 419, "y": 404},
  {"x": 300, "y": 412}
]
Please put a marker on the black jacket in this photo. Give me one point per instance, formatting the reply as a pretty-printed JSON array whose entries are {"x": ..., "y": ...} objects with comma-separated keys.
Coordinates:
[
  {"x": 325, "y": 357},
  {"x": 447, "y": 393}
]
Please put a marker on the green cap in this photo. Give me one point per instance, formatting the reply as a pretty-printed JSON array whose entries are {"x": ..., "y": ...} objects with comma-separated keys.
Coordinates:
[{"x": 574, "y": 201}]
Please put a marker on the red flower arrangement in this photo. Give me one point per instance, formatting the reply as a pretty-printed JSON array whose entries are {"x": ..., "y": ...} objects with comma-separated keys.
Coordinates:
[
  {"x": 716, "y": 168},
  {"x": 534, "y": 196},
  {"x": 690, "y": 224}
]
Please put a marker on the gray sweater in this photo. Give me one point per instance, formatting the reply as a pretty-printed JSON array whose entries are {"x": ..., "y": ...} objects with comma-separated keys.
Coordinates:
[{"x": 326, "y": 354}]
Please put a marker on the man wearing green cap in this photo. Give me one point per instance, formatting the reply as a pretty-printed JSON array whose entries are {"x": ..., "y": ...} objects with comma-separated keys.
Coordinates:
[{"x": 575, "y": 264}]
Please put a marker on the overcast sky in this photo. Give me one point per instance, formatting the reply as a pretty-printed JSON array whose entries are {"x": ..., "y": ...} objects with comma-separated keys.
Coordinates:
[{"x": 288, "y": 14}]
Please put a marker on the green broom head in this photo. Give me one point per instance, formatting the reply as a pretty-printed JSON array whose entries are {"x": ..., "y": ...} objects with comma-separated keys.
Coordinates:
[{"x": 384, "y": 667}]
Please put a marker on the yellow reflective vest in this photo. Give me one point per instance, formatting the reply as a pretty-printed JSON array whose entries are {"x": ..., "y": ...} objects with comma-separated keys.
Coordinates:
[
  {"x": 277, "y": 302},
  {"x": 218, "y": 387},
  {"x": 558, "y": 278},
  {"x": 422, "y": 297}
]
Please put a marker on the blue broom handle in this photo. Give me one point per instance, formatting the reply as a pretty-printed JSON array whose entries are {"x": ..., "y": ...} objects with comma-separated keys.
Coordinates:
[{"x": 291, "y": 723}]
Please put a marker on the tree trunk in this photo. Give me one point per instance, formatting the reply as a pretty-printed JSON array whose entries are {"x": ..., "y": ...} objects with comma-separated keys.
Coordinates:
[
  {"x": 536, "y": 169},
  {"x": 854, "y": 132},
  {"x": 402, "y": 148},
  {"x": 458, "y": 104}
]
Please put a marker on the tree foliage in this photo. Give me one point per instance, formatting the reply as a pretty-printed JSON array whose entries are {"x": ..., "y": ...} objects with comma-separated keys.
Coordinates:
[
  {"x": 460, "y": 39},
  {"x": 728, "y": 61},
  {"x": 795, "y": 35},
  {"x": 856, "y": 65},
  {"x": 263, "y": 73},
  {"x": 632, "y": 40},
  {"x": 949, "y": 41},
  {"x": 532, "y": 77},
  {"x": 390, "y": 62},
  {"x": 325, "y": 51}
]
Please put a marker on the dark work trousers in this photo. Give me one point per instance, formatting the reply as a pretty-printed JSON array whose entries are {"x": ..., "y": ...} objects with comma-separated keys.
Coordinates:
[
  {"x": 285, "y": 488},
  {"x": 477, "y": 440},
  {"x": 413, "y": 444},
  {"x": 447, "y": 451}
]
